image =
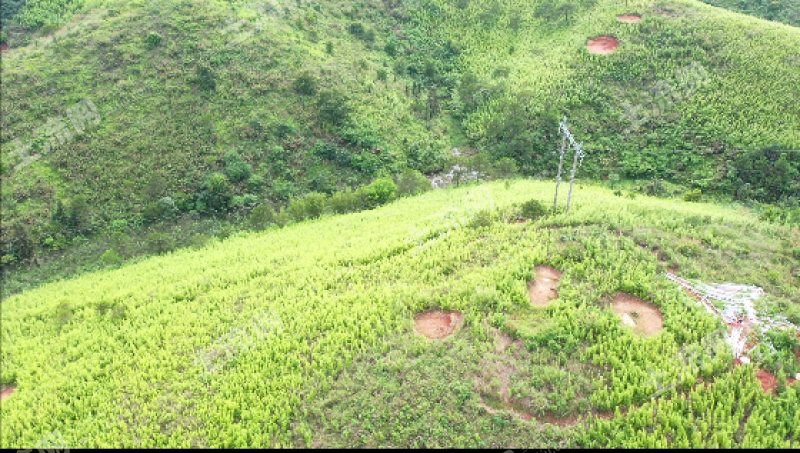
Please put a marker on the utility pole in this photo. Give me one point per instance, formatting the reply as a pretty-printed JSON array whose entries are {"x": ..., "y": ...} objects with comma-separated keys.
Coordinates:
[
  {"x": 578, "y": 153},
  {"x": 560, "y": 163},
  {"x": 572, "y": 177}
]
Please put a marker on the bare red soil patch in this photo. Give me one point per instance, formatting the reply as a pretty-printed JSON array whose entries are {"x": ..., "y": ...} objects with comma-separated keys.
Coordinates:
[
  {"x": 438, "y": 324},
  {"x": 644, "y": 317},
  {"x": 602, "y": 45},
  {"x": 629, "y": 18},
  {"x": 768, "y": 381},
  {"x": 543, "y": 289},
  {"x": 6, "y": 391}
]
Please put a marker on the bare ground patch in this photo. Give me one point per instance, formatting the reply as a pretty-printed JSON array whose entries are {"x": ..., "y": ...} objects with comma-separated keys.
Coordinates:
[
  {"x": 602, "y": 45},
  {"x": 6, "y": 391},
  {"x": 643, "y": 317},
  {"x": 543, "y": 289},
  {"x": 629, "y": 18},
  {"x": 438, "y": 324}
]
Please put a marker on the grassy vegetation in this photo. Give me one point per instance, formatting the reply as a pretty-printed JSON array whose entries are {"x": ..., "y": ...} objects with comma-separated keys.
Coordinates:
[
  {"x": 328, "y": 96},
  {"x": 786, "y": 11},
  {"x": 233, "y": 252},
  {"x": 303, "y": 335}
]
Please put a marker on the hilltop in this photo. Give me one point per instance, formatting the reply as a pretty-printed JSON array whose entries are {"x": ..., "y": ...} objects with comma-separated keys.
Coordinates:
[{"x": 306, "y": 335}]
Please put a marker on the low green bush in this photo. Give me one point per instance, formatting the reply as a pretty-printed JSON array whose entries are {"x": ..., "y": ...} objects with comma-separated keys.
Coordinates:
[
  {"x": 532, "y": 209},
  {"x": 111, "y": 257},
  {"x": 693, "y": 195},
  {"x": 153, "y": 40}
]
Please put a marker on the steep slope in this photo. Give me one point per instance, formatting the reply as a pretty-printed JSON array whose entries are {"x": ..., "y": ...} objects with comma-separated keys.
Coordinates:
[
  {"x": 280, "y": 98},
  {"x": 531, "y": 67},
  {"x": 786, "y": 11},
  {"x": 176, "y": 87},
  {"x": 304, "y": 336}
]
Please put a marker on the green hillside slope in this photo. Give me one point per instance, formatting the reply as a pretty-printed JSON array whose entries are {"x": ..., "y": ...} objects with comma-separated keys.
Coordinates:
[
  {"x": 786, "y": 11},
  {"x": 283, "y": 98},
  {"x": 530, "y": 60},
  {"x": 304, "y": 336}
]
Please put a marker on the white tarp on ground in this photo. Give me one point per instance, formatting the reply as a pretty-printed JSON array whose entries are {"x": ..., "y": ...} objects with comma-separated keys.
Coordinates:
[{"x": 733, "y": 304}]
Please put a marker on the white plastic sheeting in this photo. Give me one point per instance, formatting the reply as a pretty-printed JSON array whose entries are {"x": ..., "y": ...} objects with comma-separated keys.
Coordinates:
[{"x": 733, "y": 304}]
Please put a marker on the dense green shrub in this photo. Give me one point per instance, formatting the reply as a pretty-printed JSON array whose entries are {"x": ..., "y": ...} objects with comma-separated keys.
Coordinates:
[
  {"x": 199, "y": 240},
  {"x": 482, "y": 219},
  {"x": 655, "y": 188},
  {"x": 261, "y": 217},
  {"x": 390, "y": 48},
  {"x": 379, "y": 192},
  {"x": 255, "y": 183},
  {"x": 215, "y": 193},
  {"x": 205, "y": 77},
  {"x": 238, "y": 171},
  {"x": 505, "y": 168},
  {"x": 356, "y": 28},
  {"x": 153, "y": 40},
  {"x": 283, "y": 189},
  {"x": 159, "y": 243},
  {"x": 333, "y": 107},
  {"x": 411, "y": 182},
  {"x": 322, "y": 181},
  {"x": 48, "y": 29},
  {"x": 424, "y": 157},
  {"x": 282, "y": 218},
  {"x": 297, "y": 209},
  {"x": 111, "y": 257},
  {"x": 342, "y": 202},
  {"x": 184, "y": 201},
  {"x": 693, "y": 195},
  {"x": 315, "y": 204},
  {"x": 335, "y": 154},
  {"x": 79, "y": 215},
  {"x": 532, "y": 209},
  {"x": 306, "y": 83},
  {"x": 152, "y": 212}
]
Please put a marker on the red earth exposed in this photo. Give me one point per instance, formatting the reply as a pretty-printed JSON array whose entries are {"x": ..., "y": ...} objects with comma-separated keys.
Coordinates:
[
  {"x": 602, "y": 45},
  {"x": 438, "y": 324},
  {"x": 629, "y": 18}
]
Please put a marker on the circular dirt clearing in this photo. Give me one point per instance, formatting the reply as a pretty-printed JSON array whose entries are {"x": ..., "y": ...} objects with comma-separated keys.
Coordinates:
[
  {"x": 629, "y": 19},
  {"x": 438, "y": 324},
  {"x": 643, "y": 317},
  {"x": 602, "y": 45},
  {"x": 543, "y": 290},
  {"x": 5, "y": 392}
]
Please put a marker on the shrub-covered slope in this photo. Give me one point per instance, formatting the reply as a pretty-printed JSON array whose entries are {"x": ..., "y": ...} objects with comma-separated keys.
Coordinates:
[{"x": 303, "y": 336}]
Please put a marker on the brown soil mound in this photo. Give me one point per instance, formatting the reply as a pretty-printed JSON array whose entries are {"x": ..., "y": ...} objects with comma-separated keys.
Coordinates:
[
  {"x": 5, "y": 392},
  {"x": 602, "y": 45},
  {"x": 543, "y": 290},
  {"x": 629, "y": 19},
  {"x": 438, "y": 324},
  {"x": 645, "y": 316},
  {"x": 768, "y": 381}
]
